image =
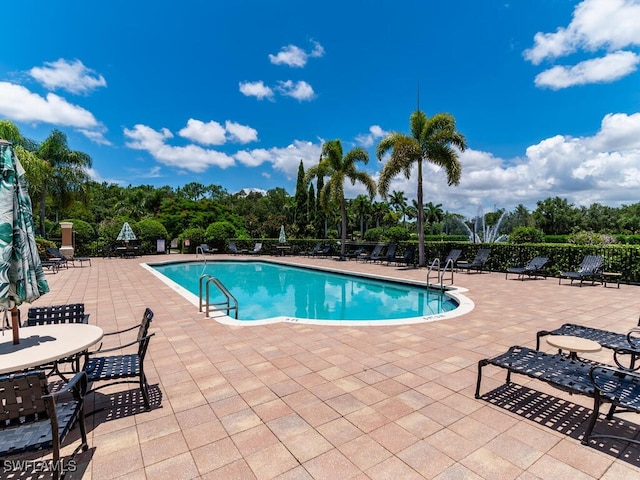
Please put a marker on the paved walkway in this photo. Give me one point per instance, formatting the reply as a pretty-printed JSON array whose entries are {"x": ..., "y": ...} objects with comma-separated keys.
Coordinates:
[{"x": 306, "y": 401}]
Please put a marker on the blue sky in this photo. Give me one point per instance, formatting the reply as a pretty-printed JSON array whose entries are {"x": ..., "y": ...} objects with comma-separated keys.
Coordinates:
[{"x": 546, "y": 92}]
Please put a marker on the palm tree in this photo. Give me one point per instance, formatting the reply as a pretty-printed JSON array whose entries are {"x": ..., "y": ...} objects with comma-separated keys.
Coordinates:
[
  {"x": 399, "y": 203},
  {"x": 362, "y": 205},
  {"x": 68, "y": 170},
  {"x": 433, "y": 213},
  {"x": 432, "y": 139},
  {"x": 338, "y": 168}
]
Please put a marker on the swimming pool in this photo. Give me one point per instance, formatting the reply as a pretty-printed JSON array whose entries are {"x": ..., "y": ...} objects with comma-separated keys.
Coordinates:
[{"x": 268, "y": 292}]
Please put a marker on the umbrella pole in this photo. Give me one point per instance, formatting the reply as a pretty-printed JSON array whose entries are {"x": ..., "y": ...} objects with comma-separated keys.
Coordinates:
[{"x": 15, "y": 324}]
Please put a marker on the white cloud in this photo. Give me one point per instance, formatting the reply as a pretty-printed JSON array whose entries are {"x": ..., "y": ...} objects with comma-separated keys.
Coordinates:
[
  {"x": 285, "y": 160},
  {"x": 599, "y": 70},
  {"x": 299, "y": 90},
  {"x": 256, "y": 89},
  {"x": 210, "y": 133},
  {"x": 609, "y": 25},
  {"x": 71, "y": 76},
  {"x": 368, "y": 139},
  {"x": 190, "y": 157},
  {"x": 19, "y": 104},
  {"x": 294, "y": 56},
  {"x": 241, "y": 133}
]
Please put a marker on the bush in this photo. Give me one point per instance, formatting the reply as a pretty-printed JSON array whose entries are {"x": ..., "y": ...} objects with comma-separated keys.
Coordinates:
[
  {"x": 396, "y": 234},
  {"x": 148, "y": 232},
  {"x": 195, "y": 235},
  {"x": 591, "y": 238},
  {"x": 218, "y": 233},
  {"x": 373, "y": 234},
  {"x": 526, "y": 235}
]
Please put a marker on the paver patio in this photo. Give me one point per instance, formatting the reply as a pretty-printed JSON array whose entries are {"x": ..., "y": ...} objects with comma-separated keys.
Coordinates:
[{"x": 308, "y": 401}]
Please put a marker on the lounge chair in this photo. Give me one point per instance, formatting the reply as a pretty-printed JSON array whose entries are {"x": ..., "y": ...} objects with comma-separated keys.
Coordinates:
[
  {"x": 620, "y": 343},
  {"x": 204, "y": 249},
  {"x": 257, "y": 248},
  {"x": 314, "y": 251},
  {"x": 33, "y": 419},
  {"x": 233, "y": 249},
  {"x": 55, "y": 255},
  {"x": 377, "y": 251},
  {"x": 533, "y": 268},
  {"x": 478, "y": 262},
  {"x": 326, "y": 251},
  {"x": 603, "y": 383},
  {"x": 408, "y": 258},
  {"x": 590, "y": 269},
  {"x": 355, "y": 253}
]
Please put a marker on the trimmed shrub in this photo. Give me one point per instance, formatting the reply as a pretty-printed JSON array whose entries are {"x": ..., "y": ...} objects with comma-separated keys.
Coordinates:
[
  {"x": 148, "y": 232},
  {"x": 396, "y": 234},
  {"x": 218, "y": 233},
  {"x": 195, "y": 235},
  {"x": 526, "y": 235}
]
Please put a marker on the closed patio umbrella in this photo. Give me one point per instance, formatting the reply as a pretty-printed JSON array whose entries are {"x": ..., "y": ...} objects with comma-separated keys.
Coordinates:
[
  {"x": 22, "y": 277},
  {"x": 282, "y": 238},
  {"x": 126, "y": 233}
]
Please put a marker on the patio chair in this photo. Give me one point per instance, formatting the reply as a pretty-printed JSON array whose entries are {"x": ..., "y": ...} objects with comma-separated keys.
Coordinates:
[
  {"x": 355, "y": 253},
  {"x": 125, "y": 367},
  {"x": 477, "y": 263},
  {"x": 233, "y": 249},
  {"x": 375, "y": 253},
  {"x": 532, "y": 268},
  {"x": 408, "y": 258},
  {"x": 326, "y": 251},
  {"x": 590, "y": 269},
  {"x": 56, "y": 255},
  {"x": 32, "y": 419},
  {"x": 314, "y": 251},
  {"x": 204, "y": 249},
  {"x": 603, "y": 383},
  {"x": 620, "y": 343},
  {"x": 257, "y": 248}
]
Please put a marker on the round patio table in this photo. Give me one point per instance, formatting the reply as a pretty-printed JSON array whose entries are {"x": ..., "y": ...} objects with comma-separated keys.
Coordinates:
[
  {"x": 44, "y": 344},
  {"x": 573, "y": 345}
]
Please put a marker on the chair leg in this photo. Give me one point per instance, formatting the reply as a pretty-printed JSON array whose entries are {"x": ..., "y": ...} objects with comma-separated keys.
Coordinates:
[
  {"x": 593, "y": 419},
  {"x": 145, "y": 391}
]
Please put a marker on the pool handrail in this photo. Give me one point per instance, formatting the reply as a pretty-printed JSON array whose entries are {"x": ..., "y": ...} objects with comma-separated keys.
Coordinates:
[{"x": 225, "y": 292}]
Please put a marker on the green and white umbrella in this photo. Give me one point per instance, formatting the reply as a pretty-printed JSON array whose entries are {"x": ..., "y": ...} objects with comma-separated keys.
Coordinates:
[
  {"x": 22, "y": 277},
  {"x": 126, "y": 233},
  {"x": 282, "y": 238}
]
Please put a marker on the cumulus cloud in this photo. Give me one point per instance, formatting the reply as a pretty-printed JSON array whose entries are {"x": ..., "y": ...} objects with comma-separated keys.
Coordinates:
[
  {"x": 368, "y": 139},
  {"x": 190, "y": 157},
  {"x": 609, "y": 25},
  {"x": 256, "y": 89},
  {"x": 601, "y": 168},
  {"x": 212, "y": 133},
  {"x": 294, "y": 56},
  {"x": 301, "y": 90},
  {"x": 599, "y": 70},
  {"x": 22, "y": 105},
  {"x": 240, "y": 133},
  {"x": 285, "y": 160},
  {"x": 71, "y": 76}
]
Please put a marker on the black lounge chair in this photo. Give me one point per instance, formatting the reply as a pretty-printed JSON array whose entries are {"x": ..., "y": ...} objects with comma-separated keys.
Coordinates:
[
  {"x": 533, "y": 268},
  {"x": 355, "y": 253},
  {"x": 408, "y": 258},
  {"x": 326, "y": 251},
  {"x": 125, "y": 367},
  {"x": 478, "y": 262},
  {"x": 377, "y": 251},
  {"x": 590, "y": 269},
  {"x": 389, "y": 255},
  {"x": 57, "y": 256},
  {"x": 33, "y": 419},
  {"x": 603, "y": 383},
  {"x": 620, "y": 343},
  {"x": 233, "y": 249},
  {"x": 314, "y": 251}
]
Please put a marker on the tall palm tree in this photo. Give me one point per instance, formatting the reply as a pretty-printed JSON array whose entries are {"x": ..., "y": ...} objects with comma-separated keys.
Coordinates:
[
  {"x": 433, "y": 214},
  {"x": 432, "y": 139},
  {"x": 68, "y": 170},
  {"x": 362, "y": 205},
  {"x": 339, "y": 168},
  {"x": 399, "y": 203}
]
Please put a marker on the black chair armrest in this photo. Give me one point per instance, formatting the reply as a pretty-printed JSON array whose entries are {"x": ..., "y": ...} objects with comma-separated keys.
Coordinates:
[
  {"x": 120, "y": 347},
  {"x": 608, "y": 379},
  {"x": 77, "y": 385},
  {"x": 133, "y": 327}
]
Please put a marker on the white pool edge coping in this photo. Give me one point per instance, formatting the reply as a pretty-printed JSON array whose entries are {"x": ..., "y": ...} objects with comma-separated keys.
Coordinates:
[{"x": 465, "y": 304}]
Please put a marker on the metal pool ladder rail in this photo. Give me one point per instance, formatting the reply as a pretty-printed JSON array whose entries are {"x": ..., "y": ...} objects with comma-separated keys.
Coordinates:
[
  {"x": 230, "y": 304},
  {"x": 435, "y": 267}
]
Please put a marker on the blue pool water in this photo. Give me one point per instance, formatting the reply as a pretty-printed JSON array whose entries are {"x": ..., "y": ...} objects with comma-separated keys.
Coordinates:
[{"x": 266, "y": 290}]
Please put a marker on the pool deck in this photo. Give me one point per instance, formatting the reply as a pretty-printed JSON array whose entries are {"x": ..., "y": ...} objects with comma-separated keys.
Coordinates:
[{"x": 295, "y": 401}]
